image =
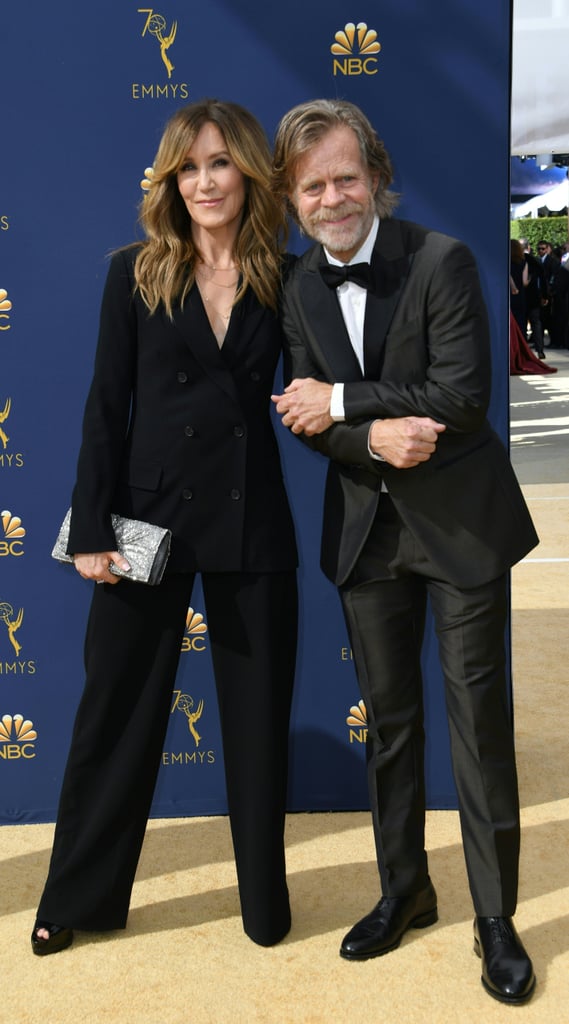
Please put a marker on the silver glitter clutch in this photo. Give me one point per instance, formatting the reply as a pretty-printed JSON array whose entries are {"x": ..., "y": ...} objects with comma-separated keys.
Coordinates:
[{"x": 146, "y": 548}]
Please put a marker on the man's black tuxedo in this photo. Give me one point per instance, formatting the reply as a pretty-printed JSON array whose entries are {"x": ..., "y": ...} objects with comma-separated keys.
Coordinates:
[
  {"x": 427, "y": 327},
  {"x": 448, "y": 529}
]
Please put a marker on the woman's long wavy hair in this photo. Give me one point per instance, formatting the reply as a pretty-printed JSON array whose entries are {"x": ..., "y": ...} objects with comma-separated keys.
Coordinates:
[{"x": 165, "y": 265}]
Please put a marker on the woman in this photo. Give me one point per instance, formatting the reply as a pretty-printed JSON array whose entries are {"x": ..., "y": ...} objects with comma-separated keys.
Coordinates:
[
  {"x": 519, "y": 280},
  {"x": 177, "y": 432}
]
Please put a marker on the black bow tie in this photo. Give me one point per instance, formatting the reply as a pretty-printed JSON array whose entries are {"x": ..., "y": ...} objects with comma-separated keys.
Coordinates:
[{"x": 359, "y": 273}]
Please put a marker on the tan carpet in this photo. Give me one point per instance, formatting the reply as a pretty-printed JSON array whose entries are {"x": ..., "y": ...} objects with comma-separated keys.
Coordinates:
[{"x": 184, "y": 957}]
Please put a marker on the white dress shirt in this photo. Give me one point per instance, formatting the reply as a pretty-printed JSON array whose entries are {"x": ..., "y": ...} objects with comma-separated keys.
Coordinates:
[{"x": 352, "y": 299}]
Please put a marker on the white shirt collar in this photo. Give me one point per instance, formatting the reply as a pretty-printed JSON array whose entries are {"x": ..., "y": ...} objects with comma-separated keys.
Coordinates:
[{"x": 364, "y": 253}]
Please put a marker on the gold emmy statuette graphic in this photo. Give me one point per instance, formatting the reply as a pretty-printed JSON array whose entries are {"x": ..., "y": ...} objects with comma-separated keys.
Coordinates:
[
  {"x": 156, "y": 25},
  {"x": 3, "y": 417},
  {"x": 186, "y": 704},
  {"x": 5, "y": 307},
  {"x": 12, "y": 625}
]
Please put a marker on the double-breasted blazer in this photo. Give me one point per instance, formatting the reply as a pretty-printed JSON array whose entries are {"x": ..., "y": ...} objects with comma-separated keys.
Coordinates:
[
  {"x": 178, "y": 432},
  {"x": 427, "y": 353}
]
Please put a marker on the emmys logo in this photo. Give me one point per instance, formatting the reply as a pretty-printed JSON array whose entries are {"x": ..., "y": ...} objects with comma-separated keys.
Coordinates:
[
  {"x": 357, "y": 720},
  {"x": 156, "y": 26},
  {"x": 5, "y": 307},
  {"x": 195, "y": 630},
  {"x": 12, "y": 623},
  {"x": 13, "y": 532},
  {"x": 7, "y": 458},
  {"x": 16, "y": 735},
  {"x": 186, "y": 704},
  {"x": 355, "y": 50},
  {"x": 3, "y": 417}
]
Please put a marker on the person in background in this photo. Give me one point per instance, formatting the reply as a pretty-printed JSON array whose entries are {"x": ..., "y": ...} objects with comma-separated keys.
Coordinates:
[
  {"x": 555, "y": 297},
  {"x": 533, "y": 293},
  {"x": 519, "y": 280},
  {"x": 388, "y": 358},
  {"x": 177, "y": 432}
]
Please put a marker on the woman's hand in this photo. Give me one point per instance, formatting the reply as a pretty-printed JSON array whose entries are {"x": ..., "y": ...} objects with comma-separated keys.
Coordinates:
[{"x": 96, "y": 566}]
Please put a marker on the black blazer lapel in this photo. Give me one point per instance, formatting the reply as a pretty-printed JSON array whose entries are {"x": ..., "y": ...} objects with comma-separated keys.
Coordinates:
[
  {"x": 246, "y": 320},
  {"x": 390, "y": 267},
  {"x": 194, "y": 326},
  {"x": 321, "y": 308}
]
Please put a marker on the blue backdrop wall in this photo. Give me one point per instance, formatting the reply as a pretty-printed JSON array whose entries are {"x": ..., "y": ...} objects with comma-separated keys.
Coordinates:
[{"x": 85, "y": 93}]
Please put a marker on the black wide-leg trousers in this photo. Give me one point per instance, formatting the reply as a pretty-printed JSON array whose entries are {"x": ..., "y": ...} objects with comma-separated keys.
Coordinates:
[
  {"x": 132, "y": 649},
  {"x": 384, "y": 602}
]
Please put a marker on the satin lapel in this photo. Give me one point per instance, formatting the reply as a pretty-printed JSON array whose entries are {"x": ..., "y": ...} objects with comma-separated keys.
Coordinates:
[
  {"x": 390, "y": 266},
  {"x": 193, "y": 325},
  {"x": 245, "y": 322},
  {"x": 329, "y": 336}
]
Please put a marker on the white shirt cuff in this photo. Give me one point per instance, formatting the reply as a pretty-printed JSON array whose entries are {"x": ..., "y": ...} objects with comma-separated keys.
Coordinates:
[{"x": 337, "y": 403}]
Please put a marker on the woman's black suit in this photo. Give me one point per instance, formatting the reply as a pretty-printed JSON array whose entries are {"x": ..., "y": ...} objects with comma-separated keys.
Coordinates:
[{"x": 177, "y": 432}]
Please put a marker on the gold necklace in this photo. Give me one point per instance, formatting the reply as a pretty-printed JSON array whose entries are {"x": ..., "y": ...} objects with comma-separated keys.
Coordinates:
[
  {"x": 217, "y": 284},
  {"x": 222, "y": 269},
  {"x": 206, "y": 298}
]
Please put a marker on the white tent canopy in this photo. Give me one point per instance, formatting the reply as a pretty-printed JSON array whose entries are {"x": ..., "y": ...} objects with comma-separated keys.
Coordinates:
[
  {"x": 540, "y": 82},
  {"x": 555, "y": 200}
]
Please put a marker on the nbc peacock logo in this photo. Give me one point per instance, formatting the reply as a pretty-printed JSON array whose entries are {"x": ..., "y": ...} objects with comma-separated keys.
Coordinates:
[
  {"x": 194, "y": 634},
  {"x": 5, "y": 307},
  {"x": 16, "y": 738},
  {"x": 147, "y": 180},
  {"x": 14, "y": 533},
  {"x": 357, "y": 721},
  {"x": 354, "y": 49}
]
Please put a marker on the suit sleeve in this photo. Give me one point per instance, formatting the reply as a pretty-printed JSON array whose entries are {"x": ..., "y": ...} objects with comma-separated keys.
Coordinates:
[
  {"x": 106, "y": 415},
  {"x": 455, "y": 386},
  {"x": 343, "y": 442}
]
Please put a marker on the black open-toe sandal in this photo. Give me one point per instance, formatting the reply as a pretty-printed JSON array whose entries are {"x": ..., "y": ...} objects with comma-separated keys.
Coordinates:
[{"x": 59, "y": 938}]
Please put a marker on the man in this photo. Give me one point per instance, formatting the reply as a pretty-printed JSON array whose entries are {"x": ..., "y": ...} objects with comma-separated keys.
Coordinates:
[
  {"x": 392, "y": 384},
  {"x": 554, "y": 303}
]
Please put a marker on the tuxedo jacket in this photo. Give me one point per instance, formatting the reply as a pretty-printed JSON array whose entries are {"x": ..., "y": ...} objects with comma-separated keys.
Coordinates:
[
  {"x": 427, "y": 353},
  {"x": 178, "y": 432}
]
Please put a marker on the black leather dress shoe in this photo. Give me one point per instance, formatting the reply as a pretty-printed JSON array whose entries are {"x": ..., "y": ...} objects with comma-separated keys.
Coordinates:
[
  {"x": 59, "y": 938},
  {"x": 382, "y": 929},
  {"x": 507, "y": 972}
]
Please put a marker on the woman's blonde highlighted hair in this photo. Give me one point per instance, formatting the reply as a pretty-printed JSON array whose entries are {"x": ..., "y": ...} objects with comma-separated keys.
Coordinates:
[{"x": 165, "y": 265}]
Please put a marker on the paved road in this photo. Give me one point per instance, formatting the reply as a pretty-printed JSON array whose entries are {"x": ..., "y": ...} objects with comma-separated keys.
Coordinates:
[{"x": 539, "y": 423}]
